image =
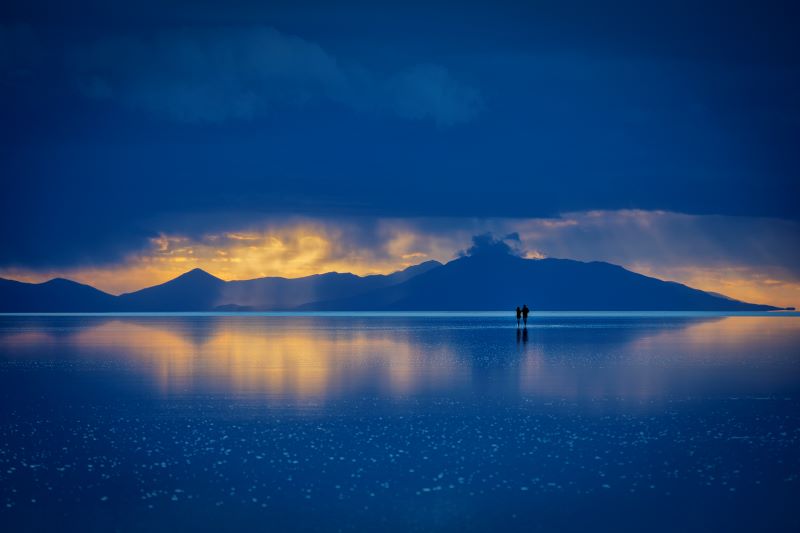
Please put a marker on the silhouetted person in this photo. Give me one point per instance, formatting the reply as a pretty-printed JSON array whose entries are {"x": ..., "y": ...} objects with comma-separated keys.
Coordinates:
[
  {"x": 525, "y": 312},
  {"x": 519, "y": 315}
]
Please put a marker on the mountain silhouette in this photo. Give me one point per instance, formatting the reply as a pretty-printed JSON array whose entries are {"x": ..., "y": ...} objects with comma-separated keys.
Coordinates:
[
  {"x": 482, "y": 281},
  {"x": 501, "y": 281},
  {"x": 55, "y": 296},
  {"x": 196, "y": 290},
  {"x": 277, "y": 294}
]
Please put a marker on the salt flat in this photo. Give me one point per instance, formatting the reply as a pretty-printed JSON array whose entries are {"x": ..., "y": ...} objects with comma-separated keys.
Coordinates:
[{"x": 403, "y": 422}]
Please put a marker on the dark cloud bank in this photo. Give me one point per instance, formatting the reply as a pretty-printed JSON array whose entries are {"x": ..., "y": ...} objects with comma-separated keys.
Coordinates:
[{"x": 127, "y": 120}]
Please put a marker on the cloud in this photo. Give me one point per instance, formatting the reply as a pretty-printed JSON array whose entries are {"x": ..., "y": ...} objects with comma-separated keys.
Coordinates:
[
  {"x": 214, "y": 75},
  {"x": 207, "y": 75},
  {"x": 20, "y": 50},
  {"x": 429, "y": 91},
  {"x": 667, "y": 239},
  {"x": 288, "y": 248},
  {"x": 488, "y": 244}
]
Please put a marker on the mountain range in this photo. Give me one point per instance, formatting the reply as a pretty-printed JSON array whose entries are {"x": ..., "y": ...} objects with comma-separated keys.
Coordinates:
[{"x": 488, "y": 281}]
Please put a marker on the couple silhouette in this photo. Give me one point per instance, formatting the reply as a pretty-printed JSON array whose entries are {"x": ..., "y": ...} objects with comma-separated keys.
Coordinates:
[{"x": 523, "y": 314}]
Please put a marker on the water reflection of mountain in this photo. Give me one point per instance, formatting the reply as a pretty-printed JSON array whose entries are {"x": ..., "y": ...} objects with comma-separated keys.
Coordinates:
[{"x": 325, "y": 358}]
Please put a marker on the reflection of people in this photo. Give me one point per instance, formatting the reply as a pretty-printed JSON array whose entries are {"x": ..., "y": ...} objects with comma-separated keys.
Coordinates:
[
  {"x": 525, "y": 335},
  {"x": 519, "y": 315},
  {"x": 518, "y": 336},
  {"x": 525, "y": 312}
]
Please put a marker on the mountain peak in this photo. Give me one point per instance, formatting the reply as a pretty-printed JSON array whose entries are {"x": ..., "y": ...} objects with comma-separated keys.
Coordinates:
[
  {"x": 427, "y": 265},
  {"x": 66, "y": 283},
  {"x": 60, "y": 281},
  {"x": 412, "y": 271},
  {"x": 197, "y": 274}
]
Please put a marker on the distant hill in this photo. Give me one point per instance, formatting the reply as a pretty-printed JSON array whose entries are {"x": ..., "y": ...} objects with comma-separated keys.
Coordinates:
[
  {"x": 197, "y": 290},
  {"x": 483, "y": 281},
  {"x": 502, "y": 281},
  {"x": 276, "y": 294},
  {"x": 55, "y": 296}
]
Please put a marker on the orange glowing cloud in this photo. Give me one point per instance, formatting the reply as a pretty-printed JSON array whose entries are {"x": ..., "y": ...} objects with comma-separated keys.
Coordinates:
[
  {"x": 740, "y": 283},
  {"x": 290, "y": 251}
]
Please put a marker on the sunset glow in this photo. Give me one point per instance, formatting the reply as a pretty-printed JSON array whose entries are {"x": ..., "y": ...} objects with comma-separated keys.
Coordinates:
[{"x": 650, "y": 243}]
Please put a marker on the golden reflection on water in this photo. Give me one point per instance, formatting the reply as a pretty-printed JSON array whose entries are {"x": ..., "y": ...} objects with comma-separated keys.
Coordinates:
[
  {"x": 246, "y": 358},
  {"x": 296, "y": 359}
]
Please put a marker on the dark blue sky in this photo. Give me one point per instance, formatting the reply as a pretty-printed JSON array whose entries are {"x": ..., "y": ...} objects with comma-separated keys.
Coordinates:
[{"x": 123, "y": 122}]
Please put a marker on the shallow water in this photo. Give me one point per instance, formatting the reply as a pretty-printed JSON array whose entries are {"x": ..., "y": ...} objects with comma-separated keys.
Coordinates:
[{"x": 403, "y": 422}]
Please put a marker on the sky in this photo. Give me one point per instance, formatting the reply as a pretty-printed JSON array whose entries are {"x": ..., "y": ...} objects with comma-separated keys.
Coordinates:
[{"x": 142, "y": 139}]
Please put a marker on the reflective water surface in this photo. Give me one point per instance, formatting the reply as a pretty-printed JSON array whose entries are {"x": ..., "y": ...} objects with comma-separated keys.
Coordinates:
[{"x": 401, "y": 422}]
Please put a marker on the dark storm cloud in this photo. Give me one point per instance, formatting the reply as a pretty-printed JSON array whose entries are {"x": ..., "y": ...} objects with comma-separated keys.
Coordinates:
[
  {"x": 18, "y": 47},
  {"x": 488, "y": 244},
  {"x": 212, "y": 75},
  {"x": 428, "y": 91},
  {"x": 122, "y": 121},
  {"x": 668, "y": 240}
]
